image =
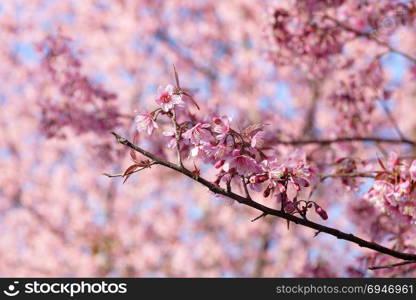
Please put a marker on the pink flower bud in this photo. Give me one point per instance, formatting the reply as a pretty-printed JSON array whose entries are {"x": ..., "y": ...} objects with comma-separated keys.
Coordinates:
[
  {"x": 259, "y": 178},
  {"x": 281, "y": 188},
  {"x": 262, "y": 177},
  {"x": 340, "y": 160},
  {"x": 219, "y": 164},
  {"x": 321, "y": 212}
]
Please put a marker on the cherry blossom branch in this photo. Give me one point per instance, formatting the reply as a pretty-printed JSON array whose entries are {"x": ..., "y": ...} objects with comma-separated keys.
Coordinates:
[
  {"x": 165, "y": 38},
  {"x": 177, "y": 137},
  {"x": 355, "y": 174},
  {"x": 261, "y": 260},
  {"x": 124, "y": 174},
  {"x": 347, "y": 139},
  {"x": 46, "y": 223},
  {"x": 370, "y": 36},
  {"x": 243, "y": 179},
  {"x": 392, "y": 265},
  {"x": 392, "y": 120},
  {"x": 264, "y": 209},
  {"x": 259, "y": 217}
]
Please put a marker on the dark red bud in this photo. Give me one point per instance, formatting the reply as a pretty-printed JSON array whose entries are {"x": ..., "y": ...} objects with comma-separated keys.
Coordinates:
[
  {"x": 259, "y": 178},
  {"x": 218, "y": 180},
  {"x": 340, "y": 160},
  {"x": 321, "y": 212},
  {"x": 266, "y": 192}
]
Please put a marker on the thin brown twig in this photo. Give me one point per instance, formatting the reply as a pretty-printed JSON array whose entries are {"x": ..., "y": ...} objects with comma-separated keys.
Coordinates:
[
  {"x": 392, "y": 120},
  {"x": 346, "y": 139},
  {"x": 270, "y": 211},
  {"x": 265, "y": 243},
  {"x": 355, "y": 174},
  {"x": 122, "y": 175},
  {"x": 370, "y": 36},
  {"x": 392, "y": 265},
  {"x": 259, "y": 217},
  {"x": 177, "y": 138},
  {"x": 172, "y": 45},
  {"x": 243, "y": 179}
]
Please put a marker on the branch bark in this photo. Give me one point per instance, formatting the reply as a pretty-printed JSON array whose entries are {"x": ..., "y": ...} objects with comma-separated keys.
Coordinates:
[
  {"x": 347, "y": 139},
  {"x": 392, "y": 265},
  {"x": 267, "y": 210},
  {"x": 355, "y": 174}
]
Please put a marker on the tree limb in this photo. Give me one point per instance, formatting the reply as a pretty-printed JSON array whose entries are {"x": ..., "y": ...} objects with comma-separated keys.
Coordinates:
[
  {"x": 355, "y": 174},
  {"x": 346, "y": 139},
  {"x": 407, "y": 262},
  {"x": 267, "y": 210}
]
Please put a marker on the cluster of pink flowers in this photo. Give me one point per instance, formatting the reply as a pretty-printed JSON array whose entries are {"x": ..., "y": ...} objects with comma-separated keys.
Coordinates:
[
  {"x": 309, "y": 32},
  {"x": 355, "y": 96},
  {"x": 304, "y": 37},
  {"x": 76, "y": 97},
  {"x": 241, "y": 158},
  {"x": 315, "y": 36},
  {"x": 393, "y": 191}
]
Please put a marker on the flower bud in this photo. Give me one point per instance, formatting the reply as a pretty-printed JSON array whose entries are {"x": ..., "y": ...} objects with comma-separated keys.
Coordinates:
[
  {"x": 219, "y": 164},
  {"x": 281, "y": 188},
  {"x": 266, "y": 192},
  {"x": 321, "y": 212},
  {"x": 259, "y": 178}
]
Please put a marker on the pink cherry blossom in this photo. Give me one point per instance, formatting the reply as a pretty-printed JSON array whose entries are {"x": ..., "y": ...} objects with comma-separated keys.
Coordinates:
[
  {"x": 198, "y": 134},
  {"x": 275, "y": 169},
  {"x": 258, "y": 139},
  {"x": 172, "y": 138},
  {"x": 221, "y": 126},
  {"x": 412, "y": 170},
  {"x": 145, "y": 122},
  {"x": 332, "y": 79},
  {"x": 243, "y": 164},
  {"x": 167, "y": 98}
]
